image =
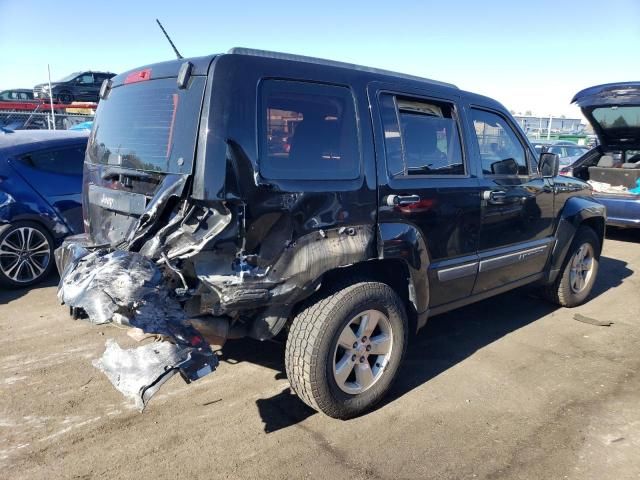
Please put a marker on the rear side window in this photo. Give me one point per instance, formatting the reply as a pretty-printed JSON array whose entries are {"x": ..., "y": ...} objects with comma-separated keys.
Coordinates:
[
  {"x": 66, "y": 161},
  {"x": 421, "y": 137},
  {"x": 309, "y": 132},
  {"x": 500, "y": 149}
]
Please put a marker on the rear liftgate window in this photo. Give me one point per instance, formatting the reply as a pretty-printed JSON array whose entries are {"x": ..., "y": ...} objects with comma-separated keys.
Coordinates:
[
  {"x": 149, "y": 125},
  {"x": 308, "y": 132}
]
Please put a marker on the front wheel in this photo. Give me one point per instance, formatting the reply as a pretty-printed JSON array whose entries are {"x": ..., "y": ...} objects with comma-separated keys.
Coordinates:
[
  {"x": 579, "y": 271},
  {"x": 344, "y": 350}
]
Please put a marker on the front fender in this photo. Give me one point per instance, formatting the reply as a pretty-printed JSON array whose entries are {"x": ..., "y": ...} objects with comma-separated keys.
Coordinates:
[
  {"x": 403, "y": 241},
  {"x": 575, "y": 212}
]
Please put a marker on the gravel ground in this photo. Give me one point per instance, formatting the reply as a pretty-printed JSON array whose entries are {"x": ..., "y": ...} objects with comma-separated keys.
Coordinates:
[{"x": 507, "y": 388}]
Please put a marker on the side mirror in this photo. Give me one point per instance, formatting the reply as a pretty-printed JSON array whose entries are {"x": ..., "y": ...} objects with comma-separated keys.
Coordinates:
[{"x": 549, "y": 165}]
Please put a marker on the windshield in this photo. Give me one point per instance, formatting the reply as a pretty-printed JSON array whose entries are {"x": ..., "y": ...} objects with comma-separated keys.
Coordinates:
[
  {"x": 69, "y": 77},
  {"x": 150, "y": 125},
  {"x": 617, "y": 117}
]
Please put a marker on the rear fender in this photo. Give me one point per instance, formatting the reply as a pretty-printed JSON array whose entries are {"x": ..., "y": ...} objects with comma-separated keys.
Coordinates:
[{"x": 404, "y": 242}]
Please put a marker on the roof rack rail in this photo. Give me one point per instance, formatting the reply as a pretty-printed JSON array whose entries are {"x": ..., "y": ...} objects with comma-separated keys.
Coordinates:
[{"x": 331, "y": 63}]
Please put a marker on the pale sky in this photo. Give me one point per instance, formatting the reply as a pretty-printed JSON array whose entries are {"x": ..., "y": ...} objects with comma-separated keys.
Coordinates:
[{"x": 528, "y": 55}]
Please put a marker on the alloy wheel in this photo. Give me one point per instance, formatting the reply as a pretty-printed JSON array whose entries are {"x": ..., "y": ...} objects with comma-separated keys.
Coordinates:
[
  {"x": 25, "y": 254},
  {"x": 582, "y": 265},
  {"x": 362, "y": 351}
]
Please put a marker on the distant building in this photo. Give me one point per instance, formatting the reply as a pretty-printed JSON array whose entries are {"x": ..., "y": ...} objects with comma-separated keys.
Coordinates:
[{"x": 538, "y": 126}]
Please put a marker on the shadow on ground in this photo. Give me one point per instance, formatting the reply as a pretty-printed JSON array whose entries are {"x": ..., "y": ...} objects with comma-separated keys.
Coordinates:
[
  {"x": 623, "y": 234},
  {"x": 446, "y": 340},
  {"x": 9, "y": 294}
]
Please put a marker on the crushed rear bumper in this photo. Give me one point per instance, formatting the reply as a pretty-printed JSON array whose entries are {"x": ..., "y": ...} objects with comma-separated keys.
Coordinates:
[{"x": 104, "y": 286}]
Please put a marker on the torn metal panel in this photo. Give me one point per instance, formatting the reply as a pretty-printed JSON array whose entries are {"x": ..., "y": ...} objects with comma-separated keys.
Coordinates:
[
  {"x": 292, "y": 276},
  {"x": 172, "y": 186},
  {"x": 138, "y": 373}
]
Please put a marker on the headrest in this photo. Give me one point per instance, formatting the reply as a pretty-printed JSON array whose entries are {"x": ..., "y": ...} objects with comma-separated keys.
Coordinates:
[{"x": 606, "y": 161}]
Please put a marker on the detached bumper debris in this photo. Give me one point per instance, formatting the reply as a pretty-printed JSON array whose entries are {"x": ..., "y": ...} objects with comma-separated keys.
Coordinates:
[
  {"x": 128, "y": 288},
  {"x": 138, "y": 373}
]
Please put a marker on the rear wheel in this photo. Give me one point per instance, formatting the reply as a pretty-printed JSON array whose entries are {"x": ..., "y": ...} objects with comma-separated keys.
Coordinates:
[
  {"x": 26, "y": 254},
  {"x": 578, "y": 275},
  {"x": 344, "y": 350}
]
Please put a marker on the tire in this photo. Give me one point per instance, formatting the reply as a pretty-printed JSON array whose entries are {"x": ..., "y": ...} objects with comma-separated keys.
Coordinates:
[
  {"x": 315, "y": 352},
  {"x": 27, "y": 244},
  {"x": 65, "y": 97},
  {"x": 566, "y": 291}
]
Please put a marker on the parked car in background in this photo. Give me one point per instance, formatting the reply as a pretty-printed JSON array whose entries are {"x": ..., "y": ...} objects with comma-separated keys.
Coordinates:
[
  {"x": 16, "y": 95},
  {"x": 340, "y": 205},
  {"x": 613, "y": 167},
  {"x": 568, "y": 151},
  {"x": 40, "y": 200},
  {"x": 79, "y": 86}
]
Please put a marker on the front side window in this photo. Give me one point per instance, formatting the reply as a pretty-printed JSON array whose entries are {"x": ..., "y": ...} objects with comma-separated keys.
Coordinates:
[
  {"x": 421, "y": 137},
  {"x": 66, "y": 161},
  {"x": 309, "y": 132},
  {"x": 501, "y": 152},
  {"x": 85, "y": 79}
]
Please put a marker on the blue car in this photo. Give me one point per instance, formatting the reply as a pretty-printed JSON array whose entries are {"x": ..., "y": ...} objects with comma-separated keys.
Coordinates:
[
  {"x": 40, "y": 200},
  {"x": 613, "y": 167}
]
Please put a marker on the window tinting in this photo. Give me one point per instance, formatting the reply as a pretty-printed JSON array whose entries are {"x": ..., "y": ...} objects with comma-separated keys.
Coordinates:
[
  {"x": 421, "y": 137},
  {"x": 67, "y": 161},
  {"x": 500, "y": 150},
  {"x": 309, "y": 132}
]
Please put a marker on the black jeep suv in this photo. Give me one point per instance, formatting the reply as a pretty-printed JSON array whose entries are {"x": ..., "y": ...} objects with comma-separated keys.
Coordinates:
[
  {"x": 257, "y": 194},
  {"x": 76, "y": 87}
]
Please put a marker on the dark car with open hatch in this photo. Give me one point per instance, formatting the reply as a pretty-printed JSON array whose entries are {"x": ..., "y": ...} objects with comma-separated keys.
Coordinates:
[
  {"x": 262, "y": 194},
  {"x": 613, "y": 167}
]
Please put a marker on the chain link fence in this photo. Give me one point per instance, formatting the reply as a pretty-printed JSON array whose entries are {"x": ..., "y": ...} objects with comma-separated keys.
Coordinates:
[{"x": 38, "y": 116}]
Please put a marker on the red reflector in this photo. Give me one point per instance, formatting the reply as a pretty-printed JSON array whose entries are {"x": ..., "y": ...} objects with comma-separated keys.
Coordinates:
[
  {"x": 139, "y": 76},
  {"x": 423, "y": 205}
]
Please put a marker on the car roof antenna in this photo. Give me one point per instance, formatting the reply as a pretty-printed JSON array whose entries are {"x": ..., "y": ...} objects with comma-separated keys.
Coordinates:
[{"x": 169, "y": 38}]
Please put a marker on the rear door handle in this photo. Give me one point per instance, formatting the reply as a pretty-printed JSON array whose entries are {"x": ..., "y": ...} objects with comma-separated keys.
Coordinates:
[
  {"x": 399, "y": 200},
  {"x": 494, "y": 196}
]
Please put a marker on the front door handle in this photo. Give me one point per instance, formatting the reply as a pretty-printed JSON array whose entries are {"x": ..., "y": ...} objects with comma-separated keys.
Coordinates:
[
  {"x": 400, "y": 200},
  {"x": 494, "y": 196}
]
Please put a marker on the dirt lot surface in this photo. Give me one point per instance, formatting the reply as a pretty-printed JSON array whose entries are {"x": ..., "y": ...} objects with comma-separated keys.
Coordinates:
[{"x": 507, "y": 388}]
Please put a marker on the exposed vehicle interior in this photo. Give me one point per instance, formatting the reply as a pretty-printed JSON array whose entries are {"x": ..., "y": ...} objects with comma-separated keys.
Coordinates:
[{"x": 615, "y": 168}]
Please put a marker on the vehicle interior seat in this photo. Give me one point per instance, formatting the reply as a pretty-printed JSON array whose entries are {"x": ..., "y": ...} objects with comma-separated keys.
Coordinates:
[
  {"x": 421, "y": 144},
  {"x": 609, "y": 171},
  {"x": 315, "y": 141},
  {"x": 606, "y": 161},
  {"x": 633, "y": 162}
]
